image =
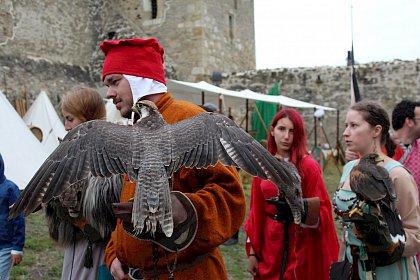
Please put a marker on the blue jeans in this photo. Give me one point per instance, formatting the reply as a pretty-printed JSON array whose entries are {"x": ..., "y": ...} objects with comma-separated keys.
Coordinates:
[{"x": 5, "y": 263}]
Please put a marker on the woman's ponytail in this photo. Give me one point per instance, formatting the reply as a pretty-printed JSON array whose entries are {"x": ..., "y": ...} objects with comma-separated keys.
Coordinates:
[{"x": 389, "y": 146}]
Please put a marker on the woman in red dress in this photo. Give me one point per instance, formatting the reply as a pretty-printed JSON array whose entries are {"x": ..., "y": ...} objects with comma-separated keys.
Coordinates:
[{"x": 285, "y": 250}]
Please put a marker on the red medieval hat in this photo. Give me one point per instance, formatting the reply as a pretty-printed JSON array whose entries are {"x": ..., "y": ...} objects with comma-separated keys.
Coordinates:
[{"x": 137, "y": 57}]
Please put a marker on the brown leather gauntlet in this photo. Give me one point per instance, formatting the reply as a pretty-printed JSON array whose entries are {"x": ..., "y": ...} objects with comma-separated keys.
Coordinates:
[{"x": 312, "y": 211}]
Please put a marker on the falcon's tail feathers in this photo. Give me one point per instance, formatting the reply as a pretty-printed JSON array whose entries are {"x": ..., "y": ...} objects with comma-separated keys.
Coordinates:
[
  {"x": 152, "y": 209},
  {"x": 393, "y": 219}
]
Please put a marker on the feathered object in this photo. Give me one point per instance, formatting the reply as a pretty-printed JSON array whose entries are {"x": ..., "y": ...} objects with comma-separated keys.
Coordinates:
[
  {"x": 372, "y": 185},
  {"x": 150, "y": 152}
]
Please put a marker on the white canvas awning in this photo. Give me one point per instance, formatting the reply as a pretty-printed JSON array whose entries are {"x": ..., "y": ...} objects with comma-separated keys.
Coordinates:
[
  {"x": 43, "y": 116},
  {"x": 182, "y": 90},
  {"x": 22, "y": 153}
]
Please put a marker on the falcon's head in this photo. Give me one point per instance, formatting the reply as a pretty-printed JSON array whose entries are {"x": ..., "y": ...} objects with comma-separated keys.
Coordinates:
[
  {"x": 371, "y": 158},
  {"x": 144, "y": 108}
]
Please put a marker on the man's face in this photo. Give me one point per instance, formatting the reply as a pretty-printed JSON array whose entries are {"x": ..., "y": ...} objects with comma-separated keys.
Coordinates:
[
  {"x": 416, "y": 127},
  {"x": 120, "y": 92}
]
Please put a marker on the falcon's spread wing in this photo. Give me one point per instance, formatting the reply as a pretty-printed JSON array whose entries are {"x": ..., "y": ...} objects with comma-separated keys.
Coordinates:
[
  {"x": 93, "y": 153},
  {"x": 207, "y": 138},
  {"x": 150, "y": 152}
]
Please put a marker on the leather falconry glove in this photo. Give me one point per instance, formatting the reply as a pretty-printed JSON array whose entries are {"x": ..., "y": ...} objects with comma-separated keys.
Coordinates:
[
  {"x": 184, "y": 217},
  {"x": 310, "y": 214},
  {"x": 372, "y": 230}
]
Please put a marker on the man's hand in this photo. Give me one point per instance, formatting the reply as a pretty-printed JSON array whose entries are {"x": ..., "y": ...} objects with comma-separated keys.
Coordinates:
[
  {"x": 117, "y": 271},
  {"x": 16, "y": 259},
  {"x": 253, "y": 265},
  {"x": 178, "y": 211}
]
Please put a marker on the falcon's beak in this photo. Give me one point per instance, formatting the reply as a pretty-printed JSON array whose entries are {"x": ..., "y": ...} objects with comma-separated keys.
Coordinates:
[
  {"x": 135, "y": 110},
  {"x": 378, "y": 159}
]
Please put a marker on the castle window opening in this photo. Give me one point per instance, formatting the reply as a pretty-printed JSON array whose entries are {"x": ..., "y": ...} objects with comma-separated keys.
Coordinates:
[
  {"x": 231, "y": 28},
  {"x": 154, "y": 9},
  {"x": 111, "y": 35}
]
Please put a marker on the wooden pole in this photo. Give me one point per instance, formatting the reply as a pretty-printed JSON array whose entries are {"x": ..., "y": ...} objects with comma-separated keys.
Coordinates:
[
  {"x": 261, "y": 119},
  {"x": 220, "y": 103},
  {"x": 246, "y": 116},
  {"x": 315, "y": 134}
]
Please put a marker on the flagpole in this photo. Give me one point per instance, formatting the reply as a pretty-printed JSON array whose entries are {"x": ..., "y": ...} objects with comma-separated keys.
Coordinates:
[
  {"x": 354, "y": 87},
  {"x": 351, "y": 27}
]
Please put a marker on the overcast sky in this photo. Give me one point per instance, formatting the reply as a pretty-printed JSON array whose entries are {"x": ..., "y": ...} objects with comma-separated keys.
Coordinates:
[{"x": 293, "y": 33}]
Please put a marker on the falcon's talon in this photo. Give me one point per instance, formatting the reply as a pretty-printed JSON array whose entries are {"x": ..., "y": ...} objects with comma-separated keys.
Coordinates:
[
  {"x": 357, "y": 209},
  {"x": 354, "y": 211}
]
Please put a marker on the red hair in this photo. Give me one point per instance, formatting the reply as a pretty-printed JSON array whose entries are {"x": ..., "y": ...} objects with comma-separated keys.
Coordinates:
[{"x": 298, "y": 149}]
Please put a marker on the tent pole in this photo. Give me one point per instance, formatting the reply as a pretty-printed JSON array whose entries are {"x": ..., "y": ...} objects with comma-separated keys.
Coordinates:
[
  {"x": 246, "y": 115},
  {"x": 315, "y": 135},
  {"x": 220, "y": 103},
  {"x": 261, "y": 119},
  {"x": 202, "y": 98},
  {"x": 337, "y": 142}
]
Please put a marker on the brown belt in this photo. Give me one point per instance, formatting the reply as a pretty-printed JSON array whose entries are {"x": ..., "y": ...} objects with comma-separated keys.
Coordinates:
[{"x": 139, "y": 273}]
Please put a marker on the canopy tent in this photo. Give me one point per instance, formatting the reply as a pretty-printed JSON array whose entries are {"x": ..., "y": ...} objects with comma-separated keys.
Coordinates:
[
  {"x": 42, "y": 117},
  {"x": 195, "y": 92},
  {"x": 177, "y": 87},
  {"x": 22, "y": 153}
]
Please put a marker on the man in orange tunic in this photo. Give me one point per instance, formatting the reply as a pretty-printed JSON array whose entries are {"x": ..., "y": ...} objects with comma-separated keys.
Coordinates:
[{"x": 133, "y": 69}]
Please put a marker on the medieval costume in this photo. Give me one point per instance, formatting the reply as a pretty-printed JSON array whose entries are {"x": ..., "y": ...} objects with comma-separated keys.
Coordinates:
[
  {"x": 310, "y": 249},
  {"x": 219, "y": 200},
  {"x": 407, "y": 205}
]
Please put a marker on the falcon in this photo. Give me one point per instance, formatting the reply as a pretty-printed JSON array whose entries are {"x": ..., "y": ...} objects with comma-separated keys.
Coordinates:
[
  {"x": 149, "y": 152},
  {"x": 373, "y": 186}
]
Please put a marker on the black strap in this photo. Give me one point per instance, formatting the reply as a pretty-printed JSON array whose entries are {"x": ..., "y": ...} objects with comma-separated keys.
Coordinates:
[
  {"x": 171, "y": 269},
  {"x": 285, "y": 249},
  {"x": 155, "y": 260}
]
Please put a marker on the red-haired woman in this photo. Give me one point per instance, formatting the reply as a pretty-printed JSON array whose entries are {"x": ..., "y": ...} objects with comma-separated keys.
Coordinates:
[{"x": 278, "y": 248}]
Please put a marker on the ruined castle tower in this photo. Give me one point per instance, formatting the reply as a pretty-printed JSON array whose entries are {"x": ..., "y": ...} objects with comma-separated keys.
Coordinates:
[
  {"x": 54, "y": 45},
  {"x": 200, "y": 36}
]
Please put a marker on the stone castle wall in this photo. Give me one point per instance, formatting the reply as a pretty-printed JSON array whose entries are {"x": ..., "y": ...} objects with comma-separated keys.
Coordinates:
[
  {"x": 54, "y": 45},
  {"x": 385, "y": 82}
]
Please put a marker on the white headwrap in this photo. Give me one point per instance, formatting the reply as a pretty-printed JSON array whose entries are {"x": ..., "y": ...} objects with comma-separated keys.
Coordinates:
[{"x": 141, "y": 87}]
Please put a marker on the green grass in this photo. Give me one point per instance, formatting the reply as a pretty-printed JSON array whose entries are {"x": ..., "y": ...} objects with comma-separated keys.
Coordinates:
[{"x": 42, "y": 259}]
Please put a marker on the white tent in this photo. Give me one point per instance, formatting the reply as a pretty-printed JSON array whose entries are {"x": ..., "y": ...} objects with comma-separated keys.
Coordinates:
[
  {"x": 191, "y": 91},
  {"x": 43, "y": 116},
  {"x": 22, "y": 153}
]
